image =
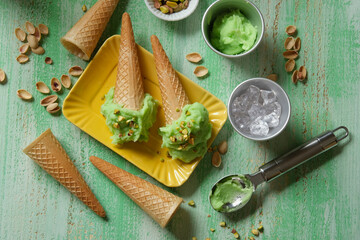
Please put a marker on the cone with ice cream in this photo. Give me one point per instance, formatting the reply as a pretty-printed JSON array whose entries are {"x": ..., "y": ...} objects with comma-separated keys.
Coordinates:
[
  {"x": 161, "y": 205},
  {"x": 49, "y": 154},
  {"x": 129, "y": 112},
  {"x": 82, "y": 38},
  {"x": 187, "y": 125}
]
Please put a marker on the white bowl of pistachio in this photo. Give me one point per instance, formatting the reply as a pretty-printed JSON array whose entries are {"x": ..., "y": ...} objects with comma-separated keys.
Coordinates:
[{"x": 171, "y": 10}]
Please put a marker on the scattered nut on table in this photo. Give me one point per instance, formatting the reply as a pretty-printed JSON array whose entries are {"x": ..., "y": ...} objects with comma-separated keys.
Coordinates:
[
  {"x": 290, "y": 54},
  {"x": 65, "y": 81},
  {"x": 48, "y": 100},
  {"x": 291, "y": 30},
  {"x": 223, "y": 147},
  {"x": 53, "y": 108},
  {"x": 297, "y": 44},
  {"x": 22, "y": 58},
  {"x": 273, "y": 77},
  {"x": 201, "y": 71},
  {"x": 75, "y": 71},
  {"x": 301, "y": 75},
  {"x": 29, "y": 27},
  {"x": 23, "y": 94},
  {"x": 289, "y": 43},
  {"x": 294, "y": 78},
  {"x": 216, "y": 159},
  {"x": 55, "y": 85},
  {"x": 24, "y": 48},
  {"x": 290, "y": 65},
  {"x": 44, "y": 30},
  {"x": 194, "y": 57},
  {"x": 48, "y": 60},
  {"x": 41, "y": 87},
  {"x": 33, "y": 42},
  {"x": 39, "y": 50},
  {"x": 2, "y": 76},
  {"x": 20, "y": 34}
]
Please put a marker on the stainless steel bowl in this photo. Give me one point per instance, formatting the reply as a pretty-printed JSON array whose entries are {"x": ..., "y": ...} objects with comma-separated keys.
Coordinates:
[
  {"x": 246, "y": 7},
  {"x": 282, "y": 98}
]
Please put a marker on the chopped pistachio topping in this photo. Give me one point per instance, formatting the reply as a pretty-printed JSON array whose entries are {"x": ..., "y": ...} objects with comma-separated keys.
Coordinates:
[
  {"x": 116, "y": 111},
  {"x": 222, "y": 224},
  {"x": 191, "y": 141},
  {"x": 136, "y": 126},
  {"x": 130, "y": 132},
  {"x": 236, "y": 235},
  {"x": 255, "y": 232},
  {"x": 188, "y": 125},
  {"x": 120, "y": 118},
  {"x": 251, "y": 238},
  {"x": 188, "y": 113},
  {"x": 177, "y": 110},
  {"x": 261, "y": 228},
  {"x": 173, "y": 139},
  {"x": 191, "y": 203},
  {"x": 116, "y": 125},
  {"x": 182, "y": 124},
  {"x": 162, "y": 160},
  {"x": 185, "y": 131},
  {"x": 211, "y": 229}
]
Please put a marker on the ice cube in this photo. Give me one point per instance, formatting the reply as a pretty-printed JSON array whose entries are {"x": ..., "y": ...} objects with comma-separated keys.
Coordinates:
[
  {"x": 274, "y": 107},
  {"x": 268, "y": 96},
  {"x": 243, "y": 121},
  {"x": 254, "y": 94},
  {"x": 259, "y": 127},
  {"x": 256, "y": 110},
  {"x": 271, "y": 119}
]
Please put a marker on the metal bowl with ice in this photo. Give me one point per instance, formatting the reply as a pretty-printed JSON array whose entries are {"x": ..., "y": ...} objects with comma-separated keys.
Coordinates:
[{"x": 259, "y": 109}]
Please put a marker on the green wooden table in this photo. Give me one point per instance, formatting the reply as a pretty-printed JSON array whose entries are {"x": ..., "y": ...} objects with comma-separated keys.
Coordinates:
[{"x": 319, "y": 200}]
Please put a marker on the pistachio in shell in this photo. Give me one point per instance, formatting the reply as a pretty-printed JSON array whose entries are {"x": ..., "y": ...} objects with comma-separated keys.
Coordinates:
[
  {"x": 44, "y": 30},
  {"x": 216, "y": 159},
  {"x": 201, "y": 71},
  {"x": 297, "y": 44},
  {"x": 223, "y": 147},
  {"x": 39, "y": 50},
  {"x": 273, "y": 77},
  {"x": 48, "y": 100},
  {"x": 37, "y": 34},
  {"x": 290, "y": 65},
  {"x": 41, "y": 87},
  {"x": 290, "y": 54},
  {"x": 30, "y": 27},
  {"x": 65, "y": 81},
  {"x": 301, "y": 75},
  {"x": 55, "y": 85},
  {"x": 75, "y": 71},
  {"x": 290, "y": 30},
  {"x": 23, "y": 94},
  {"x": 48, "y": 60},
  {"x": 289, "y": 43},
  {"x": 2, "y": 76},
  {"x": 294, "y": 78},
  {"x": 33, "y": 42},
  {"x": 20, "y": 34},
  {"x": 22, "y": 58},
  {"x": 24, "y": 48},
  {"x": 53, "y": 108},
  {"x": 194, "y": 57}
]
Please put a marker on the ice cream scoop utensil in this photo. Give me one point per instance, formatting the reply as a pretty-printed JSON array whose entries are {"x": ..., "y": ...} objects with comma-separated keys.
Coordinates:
[{"x": 285, "y": 163}]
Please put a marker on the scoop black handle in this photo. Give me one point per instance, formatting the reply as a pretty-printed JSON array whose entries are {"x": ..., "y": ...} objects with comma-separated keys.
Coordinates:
[{"x": 301, "y": 154}]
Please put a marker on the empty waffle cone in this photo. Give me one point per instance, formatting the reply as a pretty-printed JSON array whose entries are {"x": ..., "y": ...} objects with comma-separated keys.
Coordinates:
[
  {"x": 158, "y": 203},
  {"x": 129, "y": 89},
  {"x": 49, "y": 154},
  {"x": 82, "y": 38},
  {"x": 173, "y": 95}
]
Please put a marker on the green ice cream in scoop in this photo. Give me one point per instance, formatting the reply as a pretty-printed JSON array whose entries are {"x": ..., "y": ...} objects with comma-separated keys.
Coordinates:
[
  {"x": 228, "y": 191},
  {"x": 232, "y": 33},
  {"x": 129, "y": 125},
  {"x": 186, "y": 138}
]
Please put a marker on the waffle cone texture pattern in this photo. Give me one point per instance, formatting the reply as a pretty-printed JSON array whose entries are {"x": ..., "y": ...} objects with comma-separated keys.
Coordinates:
[
  {"x": 47, "y": 152},
  {"x": 83, "y": 37},
  {"x": 172, "y": 92},
  {"x": 161, "y": 205},
  {"x": 129, "y": 89}
]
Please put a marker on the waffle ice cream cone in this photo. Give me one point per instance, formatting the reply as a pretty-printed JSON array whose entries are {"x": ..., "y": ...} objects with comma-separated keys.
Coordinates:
[
  {"x": 173, "y": 95},
  {"x": 129, "y": 89},
  {"x": 82, "y": 38},
  {"x": 158, "y": 203},
  {"x": 49, "y": 154}
]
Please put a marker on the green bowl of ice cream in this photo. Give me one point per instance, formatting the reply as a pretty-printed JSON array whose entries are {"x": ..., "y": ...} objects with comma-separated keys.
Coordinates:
[{"x": 232, "y": 28}]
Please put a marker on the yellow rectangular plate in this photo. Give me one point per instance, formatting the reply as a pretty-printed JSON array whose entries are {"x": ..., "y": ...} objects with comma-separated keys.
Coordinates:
[{"x": 82, "y": 108}]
